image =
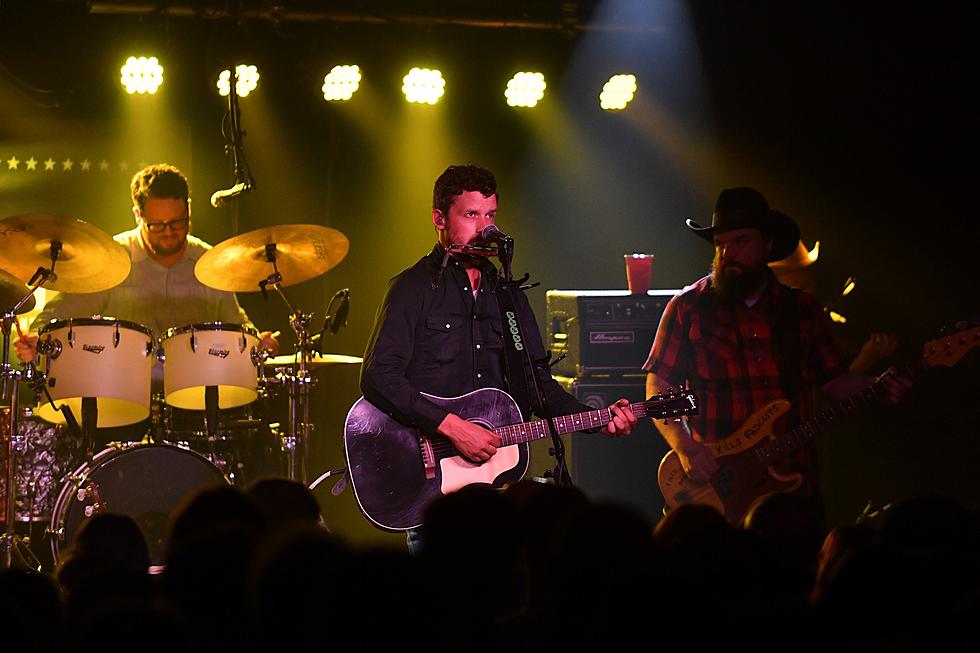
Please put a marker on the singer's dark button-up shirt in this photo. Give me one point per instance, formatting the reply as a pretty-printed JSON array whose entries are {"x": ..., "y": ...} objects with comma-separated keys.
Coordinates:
[{"x": 431, "y": 335}]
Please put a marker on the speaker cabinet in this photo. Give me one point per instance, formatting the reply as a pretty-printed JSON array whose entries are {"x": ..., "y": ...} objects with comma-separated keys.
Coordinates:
[
  {"x": 603, "y": 331},
  {"x": 620, "y": 470}
]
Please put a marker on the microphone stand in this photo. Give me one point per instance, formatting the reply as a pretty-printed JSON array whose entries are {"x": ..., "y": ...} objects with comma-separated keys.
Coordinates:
[
  {"x": 234, "y": 145},
  {"x": 505, "y": 253}
]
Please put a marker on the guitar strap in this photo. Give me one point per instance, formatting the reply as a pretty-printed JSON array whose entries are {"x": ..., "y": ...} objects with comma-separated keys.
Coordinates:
[{"x": 515, "y": 368}]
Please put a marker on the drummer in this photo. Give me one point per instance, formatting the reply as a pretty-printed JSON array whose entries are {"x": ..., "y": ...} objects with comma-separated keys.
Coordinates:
[{"x": 161, "y": 290}]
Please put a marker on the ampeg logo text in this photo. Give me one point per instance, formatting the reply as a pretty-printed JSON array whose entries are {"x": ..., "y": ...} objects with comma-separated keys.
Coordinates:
[
  {"x": 220, "y": 353},
  {"x": 514, "y": 331},
  {"x": 95, "y": 349},
  {"x": 611, "y": 337}
]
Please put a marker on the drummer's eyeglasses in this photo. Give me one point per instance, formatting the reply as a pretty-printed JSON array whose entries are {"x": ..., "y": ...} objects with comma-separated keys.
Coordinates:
[{"x": 159, "y": 227}]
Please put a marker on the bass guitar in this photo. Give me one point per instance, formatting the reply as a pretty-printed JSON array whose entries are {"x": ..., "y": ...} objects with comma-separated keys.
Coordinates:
[
  {"x": 396, "y": 471},
  {"x": 746, "y": 457}
]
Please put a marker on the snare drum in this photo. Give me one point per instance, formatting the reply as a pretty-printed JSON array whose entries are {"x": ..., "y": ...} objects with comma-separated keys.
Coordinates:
[
  {"x": 145, "y": 481},
  {"x": 210, "y": 354},
  {"x": 100, "y": 358},
  {"x": 43, "y": 455}
]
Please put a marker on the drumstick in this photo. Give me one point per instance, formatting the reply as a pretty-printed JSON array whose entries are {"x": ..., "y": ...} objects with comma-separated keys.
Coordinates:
[{"x": 19, "y": 332}]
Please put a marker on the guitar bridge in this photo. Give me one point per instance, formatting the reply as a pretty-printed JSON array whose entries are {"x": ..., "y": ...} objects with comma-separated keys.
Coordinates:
[{"x": 428, "y": 456}]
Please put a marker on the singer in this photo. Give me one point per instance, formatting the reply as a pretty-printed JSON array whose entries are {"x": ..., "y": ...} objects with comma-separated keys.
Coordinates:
[
  {"x": 161, "y": 291},
  {"x": 439, "y": 328}
]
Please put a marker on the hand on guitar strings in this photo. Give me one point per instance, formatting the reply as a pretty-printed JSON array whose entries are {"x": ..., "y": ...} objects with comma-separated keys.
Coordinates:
[
  {"x": 696, "y": 460},
  {"x": 894, "y": 385},
  {"x": 472, "y": 441},
  {"x": 622, "y": 421}
]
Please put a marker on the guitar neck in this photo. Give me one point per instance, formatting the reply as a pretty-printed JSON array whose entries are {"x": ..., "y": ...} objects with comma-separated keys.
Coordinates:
[
  {"x": 794, "y": 440},
  {"x": 592, "y": 419}
]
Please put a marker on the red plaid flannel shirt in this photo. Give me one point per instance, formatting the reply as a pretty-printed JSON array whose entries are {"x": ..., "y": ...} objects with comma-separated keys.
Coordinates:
[{"x": 725, "y": 352}]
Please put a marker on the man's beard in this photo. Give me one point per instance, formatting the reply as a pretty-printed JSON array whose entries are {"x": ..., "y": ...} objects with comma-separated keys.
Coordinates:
[
  {"x": 161, "y": 251},
  {"x": 736, "y": 286}
]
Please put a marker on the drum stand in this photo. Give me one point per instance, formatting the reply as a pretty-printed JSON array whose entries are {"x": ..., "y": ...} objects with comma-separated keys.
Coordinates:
[
  {"x": 10, "y": 541},
  {"x": 298, "y": 381}
]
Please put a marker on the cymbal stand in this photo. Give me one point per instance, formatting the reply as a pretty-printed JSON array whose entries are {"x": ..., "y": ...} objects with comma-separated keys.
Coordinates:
[
  {"x": 11, "y": 384},
  {"x": 298, "y": 381}
]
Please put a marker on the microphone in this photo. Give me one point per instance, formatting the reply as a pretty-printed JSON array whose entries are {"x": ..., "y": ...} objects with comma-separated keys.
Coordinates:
[
  {"x": 491, "y": 234},
  {"x": 340, "y": 317},
  {"x": 334, "y": 321},
  {"x": 219, "y": 197}
]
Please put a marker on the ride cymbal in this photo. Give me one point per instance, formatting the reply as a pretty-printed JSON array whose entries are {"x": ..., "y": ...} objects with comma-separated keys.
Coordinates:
[
  {"x": 12, "y": 290},
  {"x": 89, "y": 259},
  {"x": 302, "y": 251},
  {"x": 317, "y": 360}
]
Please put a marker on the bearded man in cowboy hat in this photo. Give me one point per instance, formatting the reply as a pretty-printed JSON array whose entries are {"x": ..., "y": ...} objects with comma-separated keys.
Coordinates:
[{"x": 741, "y": 340}]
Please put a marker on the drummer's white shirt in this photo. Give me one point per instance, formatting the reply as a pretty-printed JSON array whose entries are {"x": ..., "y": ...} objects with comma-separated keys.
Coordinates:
[{"x": 156, "y": 296}]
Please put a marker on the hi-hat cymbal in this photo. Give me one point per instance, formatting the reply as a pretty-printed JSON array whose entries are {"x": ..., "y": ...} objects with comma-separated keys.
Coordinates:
[
  {"x": 316, "y": 360},
  {"x": 12, "y": 290},
  {"x": 89, "y": 260},
  {"x": 302, "y": 251}
]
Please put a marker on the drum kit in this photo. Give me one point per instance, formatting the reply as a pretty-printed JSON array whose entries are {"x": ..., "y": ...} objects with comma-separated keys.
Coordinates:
[{"x": 95, "y": 372}]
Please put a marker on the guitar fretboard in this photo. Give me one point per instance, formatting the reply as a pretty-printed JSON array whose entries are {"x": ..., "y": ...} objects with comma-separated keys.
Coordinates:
[
  {"x": 771, "y": 452},
  {"x": 656, "y": 408}
]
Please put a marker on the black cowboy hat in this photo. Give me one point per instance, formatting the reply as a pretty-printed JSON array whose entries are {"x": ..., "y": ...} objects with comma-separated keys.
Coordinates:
[{"x": 743, "y": 208}]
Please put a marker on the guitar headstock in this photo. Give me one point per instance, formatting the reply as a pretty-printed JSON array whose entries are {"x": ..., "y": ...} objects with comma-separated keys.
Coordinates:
[
  {"x": 672, "y": 404},
  {"x": 948, "y": 349}
]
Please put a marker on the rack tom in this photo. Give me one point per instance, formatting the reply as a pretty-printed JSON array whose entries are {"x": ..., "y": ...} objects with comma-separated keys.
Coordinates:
[
  {"x": 216, "y": 354},
  {"x": 102, "y": 358}
]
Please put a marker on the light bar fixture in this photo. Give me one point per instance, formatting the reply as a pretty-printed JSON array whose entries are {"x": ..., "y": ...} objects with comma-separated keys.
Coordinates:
[
  {"x": 423, "y": 86},
  {"x": 525, "y": 89},
  {"x": 142, "y": 75},
  {"x": 617, "y": 92},
  {"x": 341, "y": 83},
  {"x": 248, "y": 79}
]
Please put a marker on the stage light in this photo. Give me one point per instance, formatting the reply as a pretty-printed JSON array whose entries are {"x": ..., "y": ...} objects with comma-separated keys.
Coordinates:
[
  {"x": 248, "y": 79},
  {"x": 423, "y": 86},
  {"x": 617, "y": 92},
  {"x": 141, "y": 75},
  {"x": 525, "y": 89},
  {"x": 849, "y": 286},
  {"x": 837, "y": 317},
  {"x": 341, "y": 83}
]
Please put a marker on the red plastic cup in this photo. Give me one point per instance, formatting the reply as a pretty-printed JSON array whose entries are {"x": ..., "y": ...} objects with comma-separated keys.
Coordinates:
[{"x": 638, "y": 271}]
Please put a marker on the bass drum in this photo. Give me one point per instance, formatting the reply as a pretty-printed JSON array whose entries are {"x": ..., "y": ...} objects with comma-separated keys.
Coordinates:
[{"x": 145, "y": 481}]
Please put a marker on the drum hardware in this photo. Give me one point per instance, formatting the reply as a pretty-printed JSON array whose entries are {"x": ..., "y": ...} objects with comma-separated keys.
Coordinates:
[
  {"x": 338, "y": 487},
  {"x": 31, "y": 247},
  {"x": 11, "y": 542},
  {"x": 294, "y": 253}
]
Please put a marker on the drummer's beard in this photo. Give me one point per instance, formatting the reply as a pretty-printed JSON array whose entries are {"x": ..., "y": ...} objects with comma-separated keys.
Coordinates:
[{"x": 161, "y": 250}]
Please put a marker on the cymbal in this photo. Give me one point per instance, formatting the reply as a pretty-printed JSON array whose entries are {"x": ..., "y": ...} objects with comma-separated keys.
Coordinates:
[
  {"x": 317, "y": 360},
  {"x": 12, "y": 290},
  {"x": 303, "y": 251},
  {"x": 89, "y": 260}
]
